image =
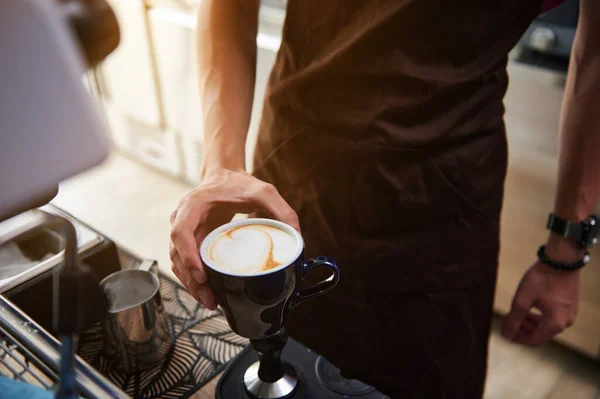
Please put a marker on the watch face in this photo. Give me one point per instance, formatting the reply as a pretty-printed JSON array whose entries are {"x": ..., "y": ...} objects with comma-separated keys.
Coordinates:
[{"x": 589, "y": 232}]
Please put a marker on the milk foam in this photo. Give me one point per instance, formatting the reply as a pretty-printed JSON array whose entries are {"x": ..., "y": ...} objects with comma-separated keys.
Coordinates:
[{"x": 252, "y": 248}]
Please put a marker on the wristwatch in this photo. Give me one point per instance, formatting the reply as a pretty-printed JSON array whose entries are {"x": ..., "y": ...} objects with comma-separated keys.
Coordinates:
[{"x": 584, "y": 233}]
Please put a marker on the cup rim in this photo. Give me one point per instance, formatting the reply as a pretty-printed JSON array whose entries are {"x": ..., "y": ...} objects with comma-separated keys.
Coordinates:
[
  {"x": 114, "y": 275},
  {"x": 244, "y": 222}
]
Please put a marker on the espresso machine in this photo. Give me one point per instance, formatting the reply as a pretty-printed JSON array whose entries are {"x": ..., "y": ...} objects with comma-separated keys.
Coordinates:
[{"x": 50, "y": 131}]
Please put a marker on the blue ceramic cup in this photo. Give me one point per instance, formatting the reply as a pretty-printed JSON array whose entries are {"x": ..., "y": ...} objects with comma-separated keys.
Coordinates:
[{"x": 256, "y": 303}]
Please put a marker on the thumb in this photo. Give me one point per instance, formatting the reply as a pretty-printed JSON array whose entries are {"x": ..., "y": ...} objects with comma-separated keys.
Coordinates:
[
  {"x": 269, "y": 199},
  {"x": 521, "y": 304}
]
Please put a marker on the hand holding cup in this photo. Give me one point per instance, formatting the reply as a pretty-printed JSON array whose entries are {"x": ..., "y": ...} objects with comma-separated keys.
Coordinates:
[{"x": 222, "y": 194}]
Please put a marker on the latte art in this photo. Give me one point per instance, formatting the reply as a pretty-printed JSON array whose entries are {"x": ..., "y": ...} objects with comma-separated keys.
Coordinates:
[{"x": 252, "y": 248}]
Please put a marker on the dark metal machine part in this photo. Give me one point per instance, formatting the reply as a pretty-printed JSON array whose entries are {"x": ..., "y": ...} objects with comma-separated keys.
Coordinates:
[
  {"x": 34, "y": 297},
  {"x": 311, "y": 370},
  {"x": 96, "y": 27}
]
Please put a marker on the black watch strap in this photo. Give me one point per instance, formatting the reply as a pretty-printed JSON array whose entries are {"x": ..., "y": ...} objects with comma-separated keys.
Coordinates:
[
  {"x": 561, "y": 265},
  {"x": 584, "y": 233}
]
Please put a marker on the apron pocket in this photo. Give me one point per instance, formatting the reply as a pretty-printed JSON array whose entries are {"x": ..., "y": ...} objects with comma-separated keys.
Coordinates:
[{"x": 409, "y": 210}]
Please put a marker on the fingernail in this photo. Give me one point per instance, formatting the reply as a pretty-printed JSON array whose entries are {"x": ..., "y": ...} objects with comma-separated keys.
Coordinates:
[
  {"x": 198, "y": 276},
  {"x": 212, "y": 305},
  {"x": 200, "y": 295}
]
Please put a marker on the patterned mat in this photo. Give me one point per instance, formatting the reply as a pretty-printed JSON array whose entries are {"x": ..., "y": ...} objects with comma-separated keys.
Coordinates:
[{"x": 204, "y": 344}]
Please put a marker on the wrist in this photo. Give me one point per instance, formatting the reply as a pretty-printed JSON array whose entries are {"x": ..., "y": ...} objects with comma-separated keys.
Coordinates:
[
  {"x": 216, "y": 162},
  {"x": 562, "y": 249},
  {"x": 210, "y": 169},
  {"x": 222, "y": 153},
  {"x": 547, "y": 270}
]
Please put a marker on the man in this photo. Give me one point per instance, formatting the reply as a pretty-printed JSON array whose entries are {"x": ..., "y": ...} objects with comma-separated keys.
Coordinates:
[{"x": 383, "y": 141}]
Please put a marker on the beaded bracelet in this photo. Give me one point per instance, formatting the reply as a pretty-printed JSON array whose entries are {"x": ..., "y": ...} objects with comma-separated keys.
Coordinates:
[{"x": 560, "y": 265}]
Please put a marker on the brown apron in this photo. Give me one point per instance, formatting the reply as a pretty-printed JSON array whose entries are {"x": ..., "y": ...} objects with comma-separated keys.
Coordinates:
[{"x": 383, "y": 128}]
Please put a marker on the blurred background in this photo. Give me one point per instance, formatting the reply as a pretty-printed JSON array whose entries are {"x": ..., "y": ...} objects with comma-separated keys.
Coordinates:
[{"x": 148, "y": 92}]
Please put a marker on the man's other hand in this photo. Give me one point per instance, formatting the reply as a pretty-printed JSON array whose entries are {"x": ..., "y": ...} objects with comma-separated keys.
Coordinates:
[{"x": 545, "y": 304}]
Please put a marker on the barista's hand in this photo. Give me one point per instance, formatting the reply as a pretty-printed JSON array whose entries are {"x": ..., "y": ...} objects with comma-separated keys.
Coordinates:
[
  {"x": 546, "y": 301},
  {"x": 222, "y": 194}
]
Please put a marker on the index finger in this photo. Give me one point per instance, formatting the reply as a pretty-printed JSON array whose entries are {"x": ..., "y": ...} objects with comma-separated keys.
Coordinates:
[
  {"x": 520, "y": 308},
  {"x": 268, "y": 198}
]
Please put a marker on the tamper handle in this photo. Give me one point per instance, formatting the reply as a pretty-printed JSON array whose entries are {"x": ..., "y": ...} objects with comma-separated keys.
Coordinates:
[{"x": 270, "y": 366}]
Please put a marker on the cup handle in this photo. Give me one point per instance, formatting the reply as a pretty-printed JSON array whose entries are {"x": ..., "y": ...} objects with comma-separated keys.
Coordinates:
[{"x": 321, "y": 287}]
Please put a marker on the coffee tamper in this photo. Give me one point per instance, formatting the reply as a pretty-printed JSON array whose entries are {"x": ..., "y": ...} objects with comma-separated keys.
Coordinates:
[{"x": 270, "y": 377}]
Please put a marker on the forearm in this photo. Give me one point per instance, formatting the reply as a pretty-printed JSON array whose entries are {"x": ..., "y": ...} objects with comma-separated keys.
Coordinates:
[
  {"x": 578, "y": 191},
  {"x": 226, "y": 55}
]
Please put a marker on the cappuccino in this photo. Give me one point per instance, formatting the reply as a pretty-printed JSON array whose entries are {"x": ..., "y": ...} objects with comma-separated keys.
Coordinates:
[{"x": 251, "y": 248}]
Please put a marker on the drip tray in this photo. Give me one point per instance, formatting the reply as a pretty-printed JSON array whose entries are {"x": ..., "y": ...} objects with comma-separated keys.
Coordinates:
[
  {"x": 318, "y": 379},
  {"x": 39, "y": 251}
]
